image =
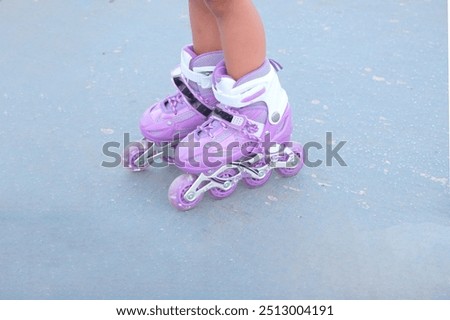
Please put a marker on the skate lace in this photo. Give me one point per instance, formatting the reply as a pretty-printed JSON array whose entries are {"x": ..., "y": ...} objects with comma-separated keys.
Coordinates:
[
  {"x": 249, "y": 131},
  {"x": 251, "y": 128},
  {"x": 208, "y": 126},
  {"x": 174, "y": 101}
]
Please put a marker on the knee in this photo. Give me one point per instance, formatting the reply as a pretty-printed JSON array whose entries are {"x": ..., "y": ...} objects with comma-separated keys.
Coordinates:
[{"x": 218, "y": 7}]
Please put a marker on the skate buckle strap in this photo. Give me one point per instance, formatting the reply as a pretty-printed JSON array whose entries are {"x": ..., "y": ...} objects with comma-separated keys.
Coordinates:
[
  {"x": 190, "y": 98},
  {"x": 202, "y": 76},
  {"x": 199, "y": 76},
  {"x": 239, "y": 122}
]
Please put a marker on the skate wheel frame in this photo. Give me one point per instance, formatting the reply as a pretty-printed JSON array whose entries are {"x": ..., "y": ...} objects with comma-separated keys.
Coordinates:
[
  {"x": 180, "y": 195},
  {"x": 187, "y": 190},
  {"x": 135, "y": 156},
  {"x": 138, "y": 156}
]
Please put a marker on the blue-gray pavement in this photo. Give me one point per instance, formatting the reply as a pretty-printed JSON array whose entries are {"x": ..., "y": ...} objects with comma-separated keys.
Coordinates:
[{"x": 76, "y": 75}]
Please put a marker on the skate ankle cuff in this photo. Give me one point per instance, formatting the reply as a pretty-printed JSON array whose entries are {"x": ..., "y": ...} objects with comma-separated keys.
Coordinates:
[
  {"x": 200, "y": 75},
  {"x": 265, "y": 89}
]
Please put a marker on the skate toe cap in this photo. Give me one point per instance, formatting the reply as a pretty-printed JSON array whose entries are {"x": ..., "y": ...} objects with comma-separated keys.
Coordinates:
[{"x": 154, "y": 126}]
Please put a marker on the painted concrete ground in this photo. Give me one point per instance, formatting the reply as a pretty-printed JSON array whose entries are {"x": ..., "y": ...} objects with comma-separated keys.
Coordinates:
[{"x": 76, "y": 75}]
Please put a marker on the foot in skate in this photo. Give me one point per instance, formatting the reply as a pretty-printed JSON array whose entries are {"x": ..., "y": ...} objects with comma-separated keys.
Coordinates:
[
  {"x": 165, "y": 123},
  {"x": 246, "y": 137}
]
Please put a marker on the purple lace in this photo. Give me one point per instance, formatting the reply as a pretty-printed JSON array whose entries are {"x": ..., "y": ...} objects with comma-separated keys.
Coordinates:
[{"x": 174, "y": 101}]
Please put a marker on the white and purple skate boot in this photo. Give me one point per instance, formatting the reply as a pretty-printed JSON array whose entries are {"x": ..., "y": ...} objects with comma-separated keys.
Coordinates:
[
  {"x": 165, "y": 123},
  {"x": 247, "y": 135}
]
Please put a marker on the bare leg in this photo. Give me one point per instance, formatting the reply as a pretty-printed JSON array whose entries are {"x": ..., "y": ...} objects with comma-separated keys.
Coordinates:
[
  {"x": 205, "y": 33},
  {"x": 241, "y": 33}
]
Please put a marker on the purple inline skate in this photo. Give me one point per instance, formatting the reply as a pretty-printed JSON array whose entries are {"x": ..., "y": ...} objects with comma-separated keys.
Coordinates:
[
  {"x": 165, "y": 123},
  {"x": 247, "y": 135}
]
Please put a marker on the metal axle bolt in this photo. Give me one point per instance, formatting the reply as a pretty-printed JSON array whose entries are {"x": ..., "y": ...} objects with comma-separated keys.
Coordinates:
[{"x": 190, "y": 196}]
